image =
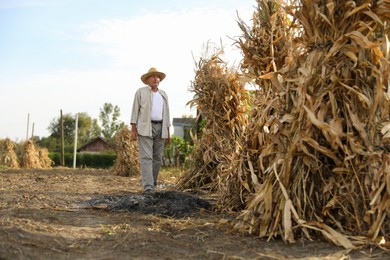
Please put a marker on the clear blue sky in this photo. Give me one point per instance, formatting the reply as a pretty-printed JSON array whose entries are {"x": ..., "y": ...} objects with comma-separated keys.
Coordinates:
[{"x": 75, "y": 55}]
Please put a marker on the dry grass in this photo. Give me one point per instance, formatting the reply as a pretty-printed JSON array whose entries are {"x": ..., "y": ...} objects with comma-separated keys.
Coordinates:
[{"x": 168, "y": 173}]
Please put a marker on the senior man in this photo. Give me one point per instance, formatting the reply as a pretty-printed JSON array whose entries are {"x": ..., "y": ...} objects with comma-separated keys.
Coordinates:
[{"x": 150, "y": 124}]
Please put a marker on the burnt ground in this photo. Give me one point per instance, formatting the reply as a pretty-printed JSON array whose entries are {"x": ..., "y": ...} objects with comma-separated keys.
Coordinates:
[{"x": 93, "y": 214}]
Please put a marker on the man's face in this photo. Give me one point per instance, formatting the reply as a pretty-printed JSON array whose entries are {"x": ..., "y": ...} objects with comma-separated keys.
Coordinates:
[{"x": 153, "y": 80}]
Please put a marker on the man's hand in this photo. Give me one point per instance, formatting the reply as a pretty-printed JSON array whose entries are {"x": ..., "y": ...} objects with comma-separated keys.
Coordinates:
[
  {"x": 168, "y": 140},
  {"x": 134, "y": 132}
]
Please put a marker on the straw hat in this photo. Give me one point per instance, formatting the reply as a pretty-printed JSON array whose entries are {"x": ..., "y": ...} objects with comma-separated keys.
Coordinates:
[{"x": 152, "y": 71}]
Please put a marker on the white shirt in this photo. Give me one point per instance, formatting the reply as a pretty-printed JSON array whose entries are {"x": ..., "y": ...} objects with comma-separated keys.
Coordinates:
[{"x": 157, "y": 107}]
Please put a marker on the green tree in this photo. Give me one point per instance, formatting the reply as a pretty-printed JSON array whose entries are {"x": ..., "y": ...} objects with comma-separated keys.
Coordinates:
[
  {"x": 109, "y": 118},
  {"x": 50, "y": 143},
  {"x": 95, "y": 130},
  {"x": 86, "y": 130},
  {"x": 55, "y": 129}
]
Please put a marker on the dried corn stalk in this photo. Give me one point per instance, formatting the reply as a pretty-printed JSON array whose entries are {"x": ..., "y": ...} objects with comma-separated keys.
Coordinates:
[
  {"x": 8, "y": 156},
  {"x": 323, "y": 164},
  {"x": 44, "y": 160},
  {"x": 265, "y": 47},
  {"x": 32, "y": 158},
  {"x": 220, "y": 97},
  {"x": 127, "y": 161},
  {"x": 267, "y": 43}
]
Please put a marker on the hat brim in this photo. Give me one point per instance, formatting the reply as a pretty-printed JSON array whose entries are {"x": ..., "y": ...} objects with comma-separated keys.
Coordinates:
[{"x": 147, "y": 75}]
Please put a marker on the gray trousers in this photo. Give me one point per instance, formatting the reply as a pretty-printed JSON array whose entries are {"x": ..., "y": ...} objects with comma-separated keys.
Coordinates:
[{"x": 150, "y": 154}]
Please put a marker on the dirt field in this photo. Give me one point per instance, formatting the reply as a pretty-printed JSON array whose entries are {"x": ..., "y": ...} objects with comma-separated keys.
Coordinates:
[{"x": 47, "y": 214}]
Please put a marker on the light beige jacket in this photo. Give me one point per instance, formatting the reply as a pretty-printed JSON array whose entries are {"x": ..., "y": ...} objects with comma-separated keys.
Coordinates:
[{"x": 142, "y": 108}]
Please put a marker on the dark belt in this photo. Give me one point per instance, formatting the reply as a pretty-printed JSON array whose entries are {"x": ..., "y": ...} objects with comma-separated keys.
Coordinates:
[{"x": 156, "y": 122}]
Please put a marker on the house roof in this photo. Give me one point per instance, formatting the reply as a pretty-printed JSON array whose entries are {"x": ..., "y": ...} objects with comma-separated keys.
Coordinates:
[
  {"x": 183, "y": 121},
  {"x": 92, "y": 141}
]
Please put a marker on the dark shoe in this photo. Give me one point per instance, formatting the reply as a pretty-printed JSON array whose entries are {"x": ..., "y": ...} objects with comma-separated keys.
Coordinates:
[{"x": 149, "y": 191}]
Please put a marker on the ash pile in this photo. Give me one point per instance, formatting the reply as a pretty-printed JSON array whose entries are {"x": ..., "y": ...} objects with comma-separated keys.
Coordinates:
[{"x": 165, "y": 203}]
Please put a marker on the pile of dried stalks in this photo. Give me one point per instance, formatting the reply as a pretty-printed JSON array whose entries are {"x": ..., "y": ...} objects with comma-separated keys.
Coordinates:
[
  {"x": 221, "y": 99},
  {"x": 45, "y": 161},
  {"x": 322, "y": 162},
  {"x": 8, "y": 156},
  {"x": 127, "y": 161},
  {"x": 267, "y": 43},
  {"x": 34, "y": 157},
  {"x": 265, "y": 47}
]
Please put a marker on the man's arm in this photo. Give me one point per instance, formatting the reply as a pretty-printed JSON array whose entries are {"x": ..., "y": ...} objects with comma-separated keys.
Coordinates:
[{"x": 134, "y": 117}]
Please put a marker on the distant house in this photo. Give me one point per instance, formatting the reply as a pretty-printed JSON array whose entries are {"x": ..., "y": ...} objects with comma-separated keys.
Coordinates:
[
  {"x": 96, "y": 145},
  {"x": 182, "y": 126}
]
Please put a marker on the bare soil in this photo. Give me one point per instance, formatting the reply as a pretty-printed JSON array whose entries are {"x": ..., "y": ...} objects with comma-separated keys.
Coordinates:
[{"x": 93, "y": 214}]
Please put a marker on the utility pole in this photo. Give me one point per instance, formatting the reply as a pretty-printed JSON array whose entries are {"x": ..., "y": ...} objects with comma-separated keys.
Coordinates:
[
  {"x": 62, "y": 158},
  {"x": 32, "y": 130},
  {"x": 28, "y": 125},
  {"x": 75, "y": 141}
]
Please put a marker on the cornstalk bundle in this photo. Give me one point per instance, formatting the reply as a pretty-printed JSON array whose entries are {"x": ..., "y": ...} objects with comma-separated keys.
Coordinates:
[
  {"x": 30, "y": 156},
  {"x": 220, "y": 97},
  {"x": 127, "y": 161},
  {"x": 323, "y": 164},
  {"x": 44, "y": 159},
  {"x": 265, "y": 48},
  {"x": 267, "y": 43},
  {"x": 8, "y": 155}
]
